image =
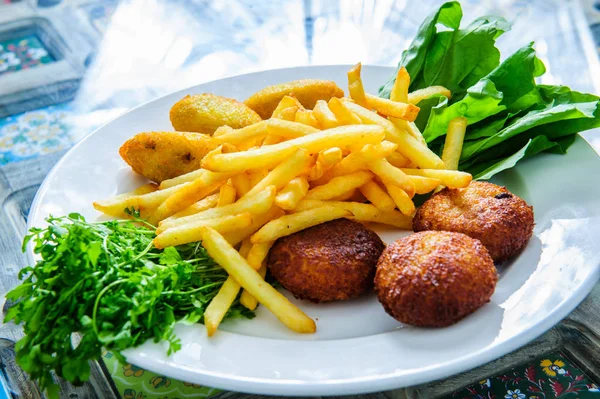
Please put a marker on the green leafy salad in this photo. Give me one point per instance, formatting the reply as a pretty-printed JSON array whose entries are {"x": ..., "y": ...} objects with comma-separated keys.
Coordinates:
[{"x": 510, "y": 117}]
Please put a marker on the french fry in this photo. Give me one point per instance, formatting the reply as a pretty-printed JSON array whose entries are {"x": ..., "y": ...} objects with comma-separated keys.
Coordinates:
[
  {"x": 407, "y": 145},
  {"x": 449, "y": 178},
  {"x": 269, "y": 156},
  {"x": 208, "y": 202},
  {"x": 400, "y": 89},
  {"x": 237, "y": 136},
  {"x": 398, "y": 160},
  {"x": 270, "y": 140},
  {"x": 359, "y": 160},
  {"x": 287, "y": 108},
  {"x": 346, "y": 196},
  {"x": 225, "y": 255},
  {"x": 190, "y": 232},
  {"x": 424, "y": 185},
  {"x": 290, "y": 224},
  {"x": 395, "y": 109},
  {"x": 409, "y": 127},
  {"x": 292, "y": 193},
  {"x": 258, "y": 220},
  {"x": 329, "y": 157},
  {"x": 221, "y": 130},
  {"x": 284, "y": 172},
  {"x": 355, "y": 86},
  {"x": 454, "y": 142},
  {"x": 220, "y": 304},
  {"x": 342, "y": 114},
  {"x": 401, "y": 198},
  {"x": 246, "y": 299},
  {"x": 418, "y": 95},
  {"x": 324, "y": 115},
  {"x": 315, "y": 172},
  {"x": 145, "y": 203},
  {"x": 245, "y": 247},
  {"x": 307, "y": 118},
  {"x": 241, "y": 183},
  {"x": 141, "y": 190},
  {"x": 362, "y": 212},
  {"x": 187, "y": 195},
  {"x": 226, "y": 194},
  {"x": 289, "y": 129},
  {"x": 255, "y": 204},
  {"x": 186, "y": 178},
  {"x": 340, "y": 185},
  {"x": 256, "y": 176},
  {"x": 378, "y": 196},
  {"x": 392, "y": 175}
]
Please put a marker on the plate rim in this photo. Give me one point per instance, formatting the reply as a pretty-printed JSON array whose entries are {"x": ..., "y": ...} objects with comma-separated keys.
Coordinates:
[{"x": 351, "y": 385}]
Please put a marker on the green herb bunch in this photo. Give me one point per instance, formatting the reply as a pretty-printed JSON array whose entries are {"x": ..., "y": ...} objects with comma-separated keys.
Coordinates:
[{"x": 106, "y": 282}]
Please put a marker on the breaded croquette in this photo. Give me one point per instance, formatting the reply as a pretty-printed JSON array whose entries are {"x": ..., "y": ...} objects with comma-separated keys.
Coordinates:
[
  {"x": 307, "y": 91},
  {"x": 204, "y": 113},
  {"x": 164, "y": 155}
]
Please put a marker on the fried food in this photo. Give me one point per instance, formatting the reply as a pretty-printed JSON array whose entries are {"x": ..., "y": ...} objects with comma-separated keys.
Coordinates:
[
  {"x": 434, "y": 278},
  {"x": 502, "y": 221},
  {"x": 164, "y": 155},
  {"x": 307, "y": 91},
  {"x": 204, "y": 113},
  {"x": 329, "y": 262}
]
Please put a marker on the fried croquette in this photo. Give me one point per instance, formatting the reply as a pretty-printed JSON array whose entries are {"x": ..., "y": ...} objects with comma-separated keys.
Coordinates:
[
  {"x": 434, "y": 278},
  {"x": 329, "y": 262},
  {"x": 307, "y": 91},
  {"x": 502, "y": 221},
  {"x": 204, "y": 113},
  {"x": 164, "y": 155}
]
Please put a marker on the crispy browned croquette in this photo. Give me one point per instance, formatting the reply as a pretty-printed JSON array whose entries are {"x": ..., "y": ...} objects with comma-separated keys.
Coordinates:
[
  {"x": 490, "y": 213},
  {"x": 434, "y": 278},
  {"x": 307, "y": 91},
  {"x": 163, "y": 155},
  {"x": 204, "y": 113},
  {"x": 329, "y": 262}
]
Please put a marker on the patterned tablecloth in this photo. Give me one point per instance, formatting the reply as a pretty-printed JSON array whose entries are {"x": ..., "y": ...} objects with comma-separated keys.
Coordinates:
[{"x": 112, "y": 71}]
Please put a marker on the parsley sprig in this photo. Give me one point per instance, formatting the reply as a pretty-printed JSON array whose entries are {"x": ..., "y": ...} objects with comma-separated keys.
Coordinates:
[{"x": 105, "y": 283}]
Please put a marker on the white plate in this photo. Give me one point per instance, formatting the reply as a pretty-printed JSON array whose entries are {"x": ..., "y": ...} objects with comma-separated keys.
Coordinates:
[{"x": 357, "y": 347}]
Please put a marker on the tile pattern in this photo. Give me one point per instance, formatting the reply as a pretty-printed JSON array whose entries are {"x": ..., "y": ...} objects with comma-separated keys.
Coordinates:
[{"x": 23, "y": 53}]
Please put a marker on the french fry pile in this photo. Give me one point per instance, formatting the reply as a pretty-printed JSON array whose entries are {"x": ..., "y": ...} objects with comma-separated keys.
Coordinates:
[{"x": 360, "y": 158}]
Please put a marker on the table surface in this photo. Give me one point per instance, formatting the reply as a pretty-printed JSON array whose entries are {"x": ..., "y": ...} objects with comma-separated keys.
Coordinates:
[{"x": 67, "y": 67}]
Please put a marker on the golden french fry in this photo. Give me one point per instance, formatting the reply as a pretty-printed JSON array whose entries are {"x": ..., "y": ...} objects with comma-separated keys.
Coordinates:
[
  {"x": 346, "y": 196},
  {"x": 424, "y": 185},
  {"x": 329, "y": 157},
  {"x": 409, "y": 127},
  {"x": 208, "y": 202},
  {"x": 271, "y": 139},
  {"x": 355, "y": 86},
  {"x": 289, "y": 129},
  {"x": 378, "y": 196},
  {"x": 372, "y": 152},
  {"x": 398, "y": 160},
  {"x": 315, "y": 172},
  {"x": 226, "y": 194},
  {"x": 220, "y": 304},
  {"x": 256, "y": 176},
  {"x": 290, "y": 224},
  {"x": 187, "y": 195},
  {"x": 223, "y": 130},
  {"x": 145, "y": 203},
  {"x": 392, "y": 175},
  {"x": 190, "y": 232},
  {"x": 449, "y": 178},
  {"x": 241, "y": 183},
  {"x": 255, "y": 204},
  {"x": 395, "y": 109},
  {"x": 292, "y": 193},
  {"x": 141, "y": 190},
  {"x": 246, "y": 299},
  {"x": 358, "y": 160},
  {"x": 340, "y": 185},
  {"x": 418, "y": 95},
  {"x": 269, "y": 156},
  {"x": 407, "y": 145},
  {"x": 245, "y": 247},
  {"x": 188, "y": 177},
  {"x": 284, "y": 172},
  {"x": 342, "y": 114},
  {"x": 362, "y": 212},
  {"x": 454, "y": 142},
  {"x": 307, "y": 118},
  {"x": 401, "y": 198},
  {"x": 287, "y": 108},
  {"x": 225, "y": 255},
  {"x": 236, "y": 136},
  {"x": 324, "y": 115},
  {"x": 400, "y": 89},
  {"x": 258, "y": 221}
]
